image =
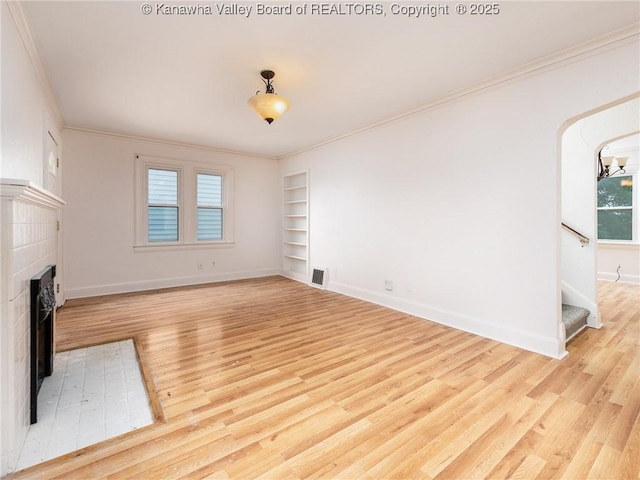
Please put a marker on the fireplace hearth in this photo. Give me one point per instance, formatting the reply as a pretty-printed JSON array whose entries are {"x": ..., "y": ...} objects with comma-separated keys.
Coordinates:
[{"x": 43, "y": 303}]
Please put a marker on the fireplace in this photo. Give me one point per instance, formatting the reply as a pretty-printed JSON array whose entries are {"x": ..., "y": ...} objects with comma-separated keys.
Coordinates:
[{"x": 43, "y": 302}]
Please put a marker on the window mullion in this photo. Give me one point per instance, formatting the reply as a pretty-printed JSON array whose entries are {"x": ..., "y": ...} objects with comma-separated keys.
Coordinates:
[
  {"x": 189, "y": 200},
  {"x": 172, "y": 205},
  {"x": 616, "y": 208}
]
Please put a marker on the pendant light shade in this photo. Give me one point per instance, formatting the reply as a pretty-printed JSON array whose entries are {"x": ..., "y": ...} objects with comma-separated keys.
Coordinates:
[{"x": 268, "y": 105}]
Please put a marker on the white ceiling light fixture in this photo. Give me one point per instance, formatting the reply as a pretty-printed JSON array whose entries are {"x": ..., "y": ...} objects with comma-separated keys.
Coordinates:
[{"x": 268, "y": 105}]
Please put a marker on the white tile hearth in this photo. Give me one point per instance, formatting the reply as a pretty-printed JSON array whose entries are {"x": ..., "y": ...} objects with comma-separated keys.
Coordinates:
[{"x": 94, "y": 394}]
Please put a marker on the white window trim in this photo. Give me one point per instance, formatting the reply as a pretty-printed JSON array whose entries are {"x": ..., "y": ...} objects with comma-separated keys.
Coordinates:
[{"x": 187, "y": 208}]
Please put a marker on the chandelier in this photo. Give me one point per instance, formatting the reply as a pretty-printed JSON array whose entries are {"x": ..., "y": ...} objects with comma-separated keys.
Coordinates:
[{"x": 605, "y": 165}]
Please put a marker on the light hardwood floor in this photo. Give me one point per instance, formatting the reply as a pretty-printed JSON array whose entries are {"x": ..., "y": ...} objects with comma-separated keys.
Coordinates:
[{"x": 271, "y": 379}]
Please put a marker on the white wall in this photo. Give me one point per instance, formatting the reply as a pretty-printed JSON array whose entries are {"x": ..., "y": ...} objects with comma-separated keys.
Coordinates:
[
  {"x": 28, "y": 231},
  {"x": 459, "y": 205},
  {"x": 99, "y": 219},
  {"x": 612, "y": 256},
  {"x": 25, "y": 103},
  {"x": 578, "y": 212}
]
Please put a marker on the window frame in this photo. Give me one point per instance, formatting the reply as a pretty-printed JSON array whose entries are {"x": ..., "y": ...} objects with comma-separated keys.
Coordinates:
[
  {"x": 187, "y": 203},
  {"x": 635, "y": 237}
]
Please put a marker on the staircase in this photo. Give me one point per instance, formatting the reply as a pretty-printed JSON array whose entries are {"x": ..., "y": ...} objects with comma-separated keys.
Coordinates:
[{"x": 574, "y": 320}]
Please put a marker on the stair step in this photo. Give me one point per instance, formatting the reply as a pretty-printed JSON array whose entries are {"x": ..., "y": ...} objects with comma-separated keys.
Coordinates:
[{"x": 574, "y": 319}]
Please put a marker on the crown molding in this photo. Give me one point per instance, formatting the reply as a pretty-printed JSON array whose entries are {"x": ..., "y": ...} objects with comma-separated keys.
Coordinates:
[
  {"x": 22, "y": 25},
  {"x": 554, "y": 61},
  {"x": 170, "y": 143}
]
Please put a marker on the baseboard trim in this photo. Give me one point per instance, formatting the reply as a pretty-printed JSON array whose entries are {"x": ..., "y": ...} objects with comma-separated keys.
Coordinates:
[
  {"x": 139, "y": 286},
  {"x": 613, "y": 277},
  {"x": 298, "y": 277},
  {"x": 547, "y": 346}
]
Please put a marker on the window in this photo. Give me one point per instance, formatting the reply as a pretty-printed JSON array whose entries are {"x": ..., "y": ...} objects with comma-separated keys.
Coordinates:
[
  {"x": 209, "y": 200},
  {"x": 163, "y": 208},
  {"x": 615, "y": 208},
  {"x": 182, "y": 204}
]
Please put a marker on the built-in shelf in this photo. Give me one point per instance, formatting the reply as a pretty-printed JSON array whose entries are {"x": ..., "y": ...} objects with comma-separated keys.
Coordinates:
[
  {"x": 295, "y": 225},
  {"x": 298, "y": 187},
  {"x": 293, "y": 257}
]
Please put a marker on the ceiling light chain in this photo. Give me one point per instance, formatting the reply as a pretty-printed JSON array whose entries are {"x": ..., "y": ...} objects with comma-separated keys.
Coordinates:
[{"x": 267, "y": 81}]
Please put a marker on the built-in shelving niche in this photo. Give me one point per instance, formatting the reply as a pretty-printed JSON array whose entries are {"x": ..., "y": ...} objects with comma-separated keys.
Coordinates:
[{"x": 295, "y": 224}]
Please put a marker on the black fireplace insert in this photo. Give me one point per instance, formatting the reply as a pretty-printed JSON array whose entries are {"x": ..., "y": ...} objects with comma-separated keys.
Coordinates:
[{"x": 43, "y": 303}]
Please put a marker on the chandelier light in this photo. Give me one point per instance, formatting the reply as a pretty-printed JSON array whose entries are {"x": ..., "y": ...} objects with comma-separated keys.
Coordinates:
[
  {"x": 605, "y": 163},
  {"x": 268, "y": 105}
]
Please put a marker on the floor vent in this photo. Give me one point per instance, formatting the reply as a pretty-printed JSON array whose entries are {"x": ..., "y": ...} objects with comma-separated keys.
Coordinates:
[{"x": 320, "y": 278}]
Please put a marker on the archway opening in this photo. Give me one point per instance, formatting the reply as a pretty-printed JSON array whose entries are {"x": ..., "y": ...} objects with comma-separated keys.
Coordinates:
[{"x": 581, "y": 143}]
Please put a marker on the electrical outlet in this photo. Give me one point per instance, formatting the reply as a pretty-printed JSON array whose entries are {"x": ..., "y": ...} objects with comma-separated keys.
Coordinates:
[
  {"x": 388, "y": 285},
  {"x": 200, "y": 266},
  {"x": 213, "y": 265}
]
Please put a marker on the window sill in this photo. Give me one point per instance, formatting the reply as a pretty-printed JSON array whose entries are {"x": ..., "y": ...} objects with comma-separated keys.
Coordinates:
[
  {"x": 166, "y": 247},
  {"x": 618, "y": 244}
]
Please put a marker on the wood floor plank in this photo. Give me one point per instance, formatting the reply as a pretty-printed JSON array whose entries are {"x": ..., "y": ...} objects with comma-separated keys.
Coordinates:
[
  {"x": 268, "y": 378},
  {"x": 392, "y": 424},
  {"x": 606, "y": 464},
  {"x": 413, "y": 445},
  {"x": 583, "y": 459},
  {"x": 627, "y": 385},
  {"x": 629, "y": 466},
  {"x": 628, "y": 417},
  {"x": 529, "y": 468}
]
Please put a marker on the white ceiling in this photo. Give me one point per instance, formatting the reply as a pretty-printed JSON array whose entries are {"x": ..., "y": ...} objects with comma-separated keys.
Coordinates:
[{"x": 187, "y": 78}]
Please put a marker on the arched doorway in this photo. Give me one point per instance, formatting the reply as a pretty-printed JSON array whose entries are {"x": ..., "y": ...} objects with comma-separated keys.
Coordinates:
[{"x": 581, "y": 141}]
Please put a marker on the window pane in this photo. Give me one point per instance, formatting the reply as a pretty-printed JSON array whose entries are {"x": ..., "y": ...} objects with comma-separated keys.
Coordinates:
[
  {"x": 209, "y": 190},
  {"x": 615, "y": 191},
  {"x": 209, "y": 224},
  {"x": 163, "y": 224},
  {"x": 614, "y": 224},
  {"x": 163, "y": 186}
]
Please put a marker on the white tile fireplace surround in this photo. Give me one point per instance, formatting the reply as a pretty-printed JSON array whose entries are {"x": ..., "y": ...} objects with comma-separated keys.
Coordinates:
[{"x": 28, "y": 243}]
